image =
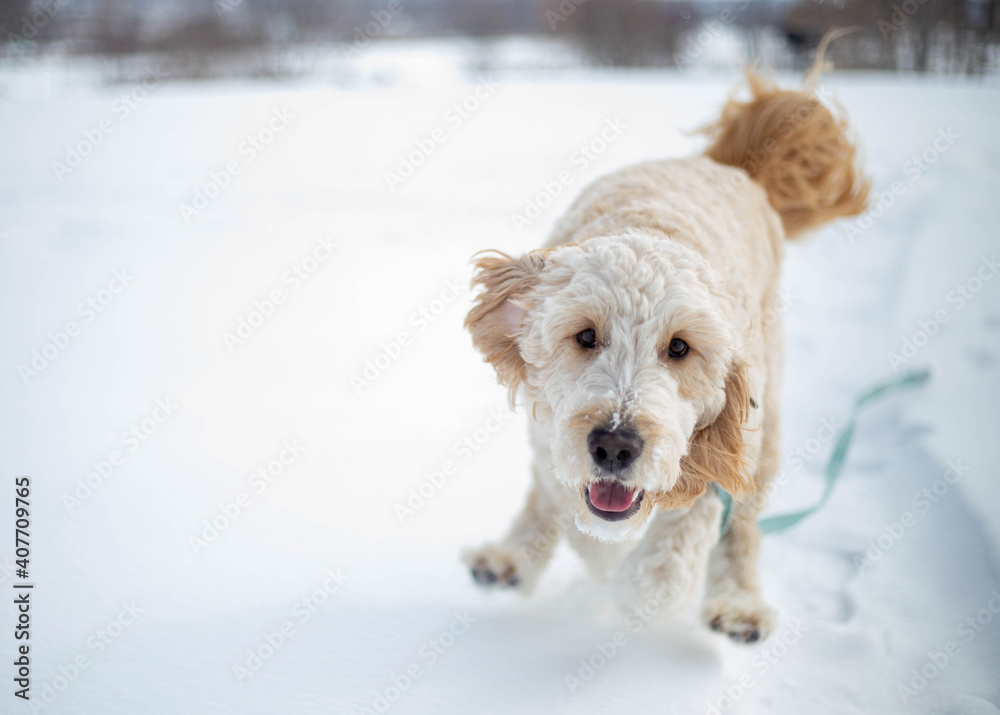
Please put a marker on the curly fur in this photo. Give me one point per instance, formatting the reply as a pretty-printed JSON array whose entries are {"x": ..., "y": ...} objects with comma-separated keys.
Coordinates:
[
  {"x": 688, "y": 249},
  {"x": 790, "y": 143},
  {"x": 494, "y": 320},
  {"x": 718, "y": 452}
]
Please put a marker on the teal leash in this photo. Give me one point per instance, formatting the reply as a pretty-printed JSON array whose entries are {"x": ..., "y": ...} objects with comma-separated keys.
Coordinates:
[
  {"x": 835, "y": 465},
  {"x": 727, "y": 508}
]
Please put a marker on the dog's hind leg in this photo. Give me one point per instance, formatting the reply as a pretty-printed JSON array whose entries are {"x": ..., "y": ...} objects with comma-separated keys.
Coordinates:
[{"x": 520, "y": 557}]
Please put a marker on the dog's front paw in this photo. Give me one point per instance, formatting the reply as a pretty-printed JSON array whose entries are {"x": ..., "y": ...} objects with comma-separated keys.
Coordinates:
[
  {"x": 744, "y": 620},
  {"x": 495, "y": 566}
]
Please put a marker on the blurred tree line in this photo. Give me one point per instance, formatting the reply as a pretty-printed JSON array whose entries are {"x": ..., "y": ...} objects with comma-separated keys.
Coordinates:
[{"x": 956, "y": 36}]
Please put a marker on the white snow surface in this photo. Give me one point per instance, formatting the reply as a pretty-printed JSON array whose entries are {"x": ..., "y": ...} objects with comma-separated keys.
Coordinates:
[{"x": 434, "y": 419}]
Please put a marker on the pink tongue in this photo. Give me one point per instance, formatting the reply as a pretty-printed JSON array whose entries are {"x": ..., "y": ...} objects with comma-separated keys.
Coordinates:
[{"x": 611, "y": 496}]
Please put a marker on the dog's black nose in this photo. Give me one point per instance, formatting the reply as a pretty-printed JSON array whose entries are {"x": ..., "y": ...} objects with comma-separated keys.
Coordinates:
[{"x": 614, "y": 450}]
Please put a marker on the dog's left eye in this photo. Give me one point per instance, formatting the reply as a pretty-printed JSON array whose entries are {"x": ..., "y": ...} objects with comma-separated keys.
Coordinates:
[
  {"x": 587, "y": 338},
  {"x": 677, "y": 349}
]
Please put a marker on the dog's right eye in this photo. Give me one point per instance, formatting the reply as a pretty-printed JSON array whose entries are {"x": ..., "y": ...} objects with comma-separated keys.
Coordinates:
[{"x": 587, "y": 338}]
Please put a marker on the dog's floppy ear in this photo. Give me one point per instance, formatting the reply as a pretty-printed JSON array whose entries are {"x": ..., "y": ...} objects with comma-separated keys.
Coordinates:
[
  {"x": 717, "y": 453},
  {"x": 498, "y": 312}
]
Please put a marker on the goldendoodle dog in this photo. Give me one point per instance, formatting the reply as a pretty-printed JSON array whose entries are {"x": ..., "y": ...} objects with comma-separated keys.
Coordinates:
[{"x": 643, "y": 339}]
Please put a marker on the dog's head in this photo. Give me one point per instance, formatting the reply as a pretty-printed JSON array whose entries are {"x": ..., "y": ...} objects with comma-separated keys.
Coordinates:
[{"x": 629, "y": 350}]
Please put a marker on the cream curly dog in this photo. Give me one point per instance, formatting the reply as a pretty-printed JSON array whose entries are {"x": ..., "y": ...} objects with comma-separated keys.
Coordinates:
[{"x": 642, "y": 337}]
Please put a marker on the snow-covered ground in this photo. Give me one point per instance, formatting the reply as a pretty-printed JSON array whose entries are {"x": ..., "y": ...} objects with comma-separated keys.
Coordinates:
[{"x": 306, "y": 318}]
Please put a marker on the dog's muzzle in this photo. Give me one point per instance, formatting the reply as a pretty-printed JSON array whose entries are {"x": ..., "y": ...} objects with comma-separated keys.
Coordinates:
[
  {"x": 612, "y": 500},
  {"x": 613, "y": 451}
]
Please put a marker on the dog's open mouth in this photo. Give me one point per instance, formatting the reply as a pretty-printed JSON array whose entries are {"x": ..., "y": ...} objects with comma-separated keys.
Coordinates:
[{"x": 612, "y": 501}]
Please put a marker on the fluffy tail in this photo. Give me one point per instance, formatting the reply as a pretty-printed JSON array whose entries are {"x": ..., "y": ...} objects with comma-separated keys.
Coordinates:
[{"x": 796, "y": 148}]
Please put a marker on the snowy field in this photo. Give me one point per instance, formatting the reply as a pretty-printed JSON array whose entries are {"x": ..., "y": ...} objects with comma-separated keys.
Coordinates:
[{"x": 232, "y": 361}]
